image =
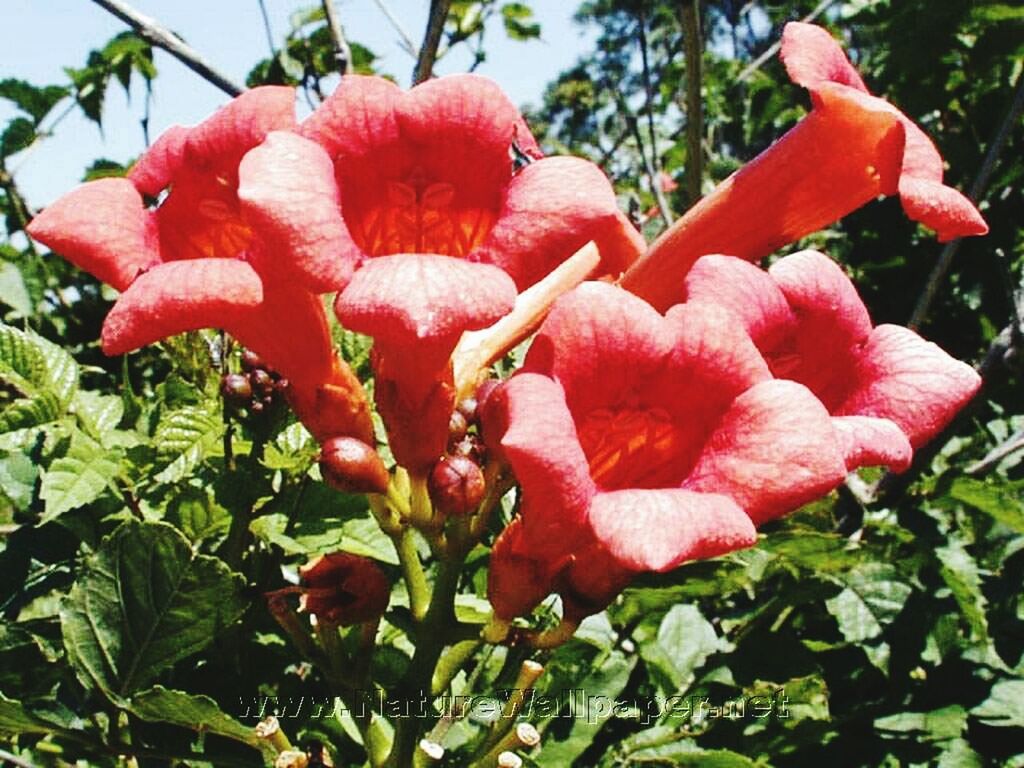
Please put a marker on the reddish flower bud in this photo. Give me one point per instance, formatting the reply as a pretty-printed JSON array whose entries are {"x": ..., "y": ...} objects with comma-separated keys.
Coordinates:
[
  {"x": 262, "y": 382},
  {"x": 236, "y": 389},
  {"x": 457, "y": 426},
  {"x": 344, "y": 589},
  {"x": 251, "y": 361},
  {"x": 472, "y": 447},
  {"x": 456, "y": 485},
  {"x": 352, "y": 466},
  {"x": 468, "y": 409}
]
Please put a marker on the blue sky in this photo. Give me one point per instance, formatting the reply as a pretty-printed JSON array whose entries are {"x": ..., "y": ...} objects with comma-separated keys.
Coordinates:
[{"x": 40, "y": 37}]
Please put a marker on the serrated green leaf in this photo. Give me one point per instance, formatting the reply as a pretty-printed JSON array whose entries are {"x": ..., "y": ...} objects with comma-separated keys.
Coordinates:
[
  {"x": 184, "y": 438},
  {"x": 144, "y": 601},
  {"x": 98, "y": 414},
  {"x": 873, "y": 597},
  {"x": 960, "y": 572},
  {"x": 19, "y": 134},
  {"x": 78, "y": 478},
  {"x": 199, "y": 713},
  {"x": 34, "y": 100},
  {"x": 18, "y": 475},
  {"x": 198, "y": 516},
  {"x": 315, "y": 537},
  {"x": 1001, "y": 501}
]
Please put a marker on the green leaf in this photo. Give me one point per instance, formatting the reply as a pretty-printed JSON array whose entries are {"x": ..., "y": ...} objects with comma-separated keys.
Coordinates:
[
  {"x": 98, "y": 414},
  {"x": 35, "y": 365},
  {"x": 517, "y": 18},
  {"x": 13, "y": 292},
  {"x": 35, "y": 101},
  {"x": 1004, "y": 706},
  {"x": 184, "y": 438},
  {"x": 683, "y": 642},
  {"x": 1002, "y": 502},
  {"x": 19, "y": 134},
  {"x": 960, "y": 572},
  {"x": 329, "y": 534},
  {"x": 199, "y": 713},
  {"x": 78, "y": 478},
  {"x": 46, "y": 718},
  {"x": 18, "y": 475},
  {"x": 197, "y": 515},
  {"x": 144, "y": 601},
  {"x": 938, "y": 725},
  {"x": 873, "y": 597},
  {"x": 602, "y": 685}
]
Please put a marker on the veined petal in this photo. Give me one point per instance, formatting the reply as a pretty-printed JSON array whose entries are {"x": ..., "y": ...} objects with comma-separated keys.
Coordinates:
[
  {"x": 811, "y": 55},
  {"x": 529, "y": 418},
  {"x": 601, "y": 343},
  {"x": 516, "y": 582},
  {"x": 357, "y": 119},
  {"x": 745, "y": 290},
  {"x": 869, "y": 442},
  {"x": 657, "y": 530},
  {"x": 842, "y": 155},
  {"x": 103, "y": 228},
  {"x": 774, "y": 450},
  {"x": 409, "y": 298},
  {"x": 901, "y": 377},
  {"x": 552, "y": 208},
  {"x": 221, "y": 139},
  {"x": 175, "y": 297},
  {"x": 288, "y": 193}
]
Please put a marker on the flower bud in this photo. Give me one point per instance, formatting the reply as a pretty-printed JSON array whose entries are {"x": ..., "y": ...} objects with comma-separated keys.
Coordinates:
[
  {"x": 262, "y": 382},
  {"x": 457, "y": 426},
  {"x": 467, "y": 408},
  {"x": 236, "y": 389},
  {"x": 456, "y": 485},
  {"x": 350, "y": 465},
  {"x": 343, "y": 589},
  {"x": 251, "y": 361}
]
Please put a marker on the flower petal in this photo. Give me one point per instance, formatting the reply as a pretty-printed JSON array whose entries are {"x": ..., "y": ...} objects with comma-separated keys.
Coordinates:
[
  {"x": 745, "y": 290},
  {"x": 552, "y": 208},
  {"x": 774, "y": 450},
  {"x": 657, "y": 530},
  {"x": 103, "y": 228},
  {"x": 871, "y": 442},
  {"x": 477, "y": 111},
  {"x": 528, "y": 418},
  {"x": 409, "y": 298},
  {"x": 814, "y": 60},
  {"x": 516, "y": 582},
  {"x": 287, "y": 191},
  {"x": 221, "y": 139},
  {"x": 601, "y": 343},
  {"x": 181, "y": 296},
  {"x": 812, "y": 55},
  {"x": 901, "y": 377},
  {"x": 841, "y": 156}
]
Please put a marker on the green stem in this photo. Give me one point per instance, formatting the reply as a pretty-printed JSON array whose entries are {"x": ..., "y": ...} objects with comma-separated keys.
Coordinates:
[
  {"x": 431, "y": 638},
  {"x": 450, "y": 664},
  {"x": 412, "y": 573}
]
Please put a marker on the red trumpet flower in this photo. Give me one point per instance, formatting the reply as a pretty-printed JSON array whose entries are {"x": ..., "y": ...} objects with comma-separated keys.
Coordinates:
[
  {"x": 850, "y": 149},
  {"x": 443, "y": 230},
  {"x": 643, "y": 441},
  {"x": 892, "y": 389},
  {"x": 243, "y": 237}
]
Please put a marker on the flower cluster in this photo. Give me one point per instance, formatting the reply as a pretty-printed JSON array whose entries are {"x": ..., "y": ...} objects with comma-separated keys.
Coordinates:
[{"x": 653, "y": 422}]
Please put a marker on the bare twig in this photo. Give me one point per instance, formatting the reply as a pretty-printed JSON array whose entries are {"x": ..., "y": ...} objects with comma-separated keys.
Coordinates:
[
  {"x": 760, "y": 61},
  {"x": 690, "y": 18},
  {"x": 653, "y": 164},
  {"x": 148, "y": 29},
  {"x": 342, "y": 51},
  {"x": 988, "y": 165},
  {"x": 431, "y": 40},
  {"x": 1013, "y": 444},
  {"x": 266, "y": 27},
  {"x": 405, "y": 39}
]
